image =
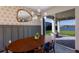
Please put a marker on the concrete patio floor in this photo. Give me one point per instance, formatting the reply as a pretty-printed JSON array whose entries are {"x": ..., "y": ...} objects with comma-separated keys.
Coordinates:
[
  {"x": 66, "y": 38},
  {"x": 68, "y": 41},
  {"x": 63, "y": 49}
]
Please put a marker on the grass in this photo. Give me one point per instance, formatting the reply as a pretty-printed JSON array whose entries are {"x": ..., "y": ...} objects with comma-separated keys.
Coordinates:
[
  {"x": 48, "y": 32},
  {"x": 70, "y": 33},
  {"x": 63, "y": 32}
]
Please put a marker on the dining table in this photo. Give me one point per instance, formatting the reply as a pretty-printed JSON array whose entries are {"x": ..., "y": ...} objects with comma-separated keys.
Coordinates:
[{"x": 26, "y": 45}]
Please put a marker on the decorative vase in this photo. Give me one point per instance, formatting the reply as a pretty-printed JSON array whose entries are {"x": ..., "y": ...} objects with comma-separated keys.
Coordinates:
[{"x": 37, "y": 36}]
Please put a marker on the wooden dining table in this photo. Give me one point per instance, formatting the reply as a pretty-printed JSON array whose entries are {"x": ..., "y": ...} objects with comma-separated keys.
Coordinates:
[{"x": 25, "y": 44}]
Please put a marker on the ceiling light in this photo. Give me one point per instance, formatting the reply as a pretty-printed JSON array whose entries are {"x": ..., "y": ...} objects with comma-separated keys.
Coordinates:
[
  {"x": 34, "y": 17},
  {"x": 32, "y": 13},
  {"x": 45, "y": 13},
  {"x": 38, "y": 10}
]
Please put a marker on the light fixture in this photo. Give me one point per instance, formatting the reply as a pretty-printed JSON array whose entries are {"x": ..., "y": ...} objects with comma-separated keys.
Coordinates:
[
  {"x": 34, "y": 17},
  {"x": 39, "y": 10},
  {"x": 45, "y": 14},
  {"x": 32, "y": 13},
  {"x": 9, "y": 41}
]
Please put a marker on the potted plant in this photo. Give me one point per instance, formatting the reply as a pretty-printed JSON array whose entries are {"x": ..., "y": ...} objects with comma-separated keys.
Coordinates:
[{"x": 37, "y": 36}]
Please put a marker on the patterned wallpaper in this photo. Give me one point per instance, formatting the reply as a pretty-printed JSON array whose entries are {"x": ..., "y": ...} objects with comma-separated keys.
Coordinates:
[{"x": 8, "y": 16}]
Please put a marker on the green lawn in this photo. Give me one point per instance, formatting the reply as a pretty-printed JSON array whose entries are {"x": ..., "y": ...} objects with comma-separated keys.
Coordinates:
[
  {"x": 48, "y": 32},
  {"x": 63, "y": 32},
  {"x": 70, "y": 33}
]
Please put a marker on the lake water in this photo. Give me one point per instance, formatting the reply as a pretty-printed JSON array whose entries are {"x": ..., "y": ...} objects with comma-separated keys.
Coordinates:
[{"x": 69, "y": 28}]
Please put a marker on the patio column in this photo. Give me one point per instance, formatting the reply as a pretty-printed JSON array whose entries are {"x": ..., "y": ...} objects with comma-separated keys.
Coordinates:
[
  {"x": 58, "y": 26},
  {"x": 53, "y": 26}
]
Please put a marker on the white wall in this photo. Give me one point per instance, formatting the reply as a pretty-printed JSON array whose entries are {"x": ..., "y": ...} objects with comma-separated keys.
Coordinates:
[
  {"x": 77, "y": 28},
  {"x": 49, "y": 38}
]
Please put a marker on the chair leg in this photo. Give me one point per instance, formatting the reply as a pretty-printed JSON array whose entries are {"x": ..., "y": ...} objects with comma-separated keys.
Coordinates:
[{"x": 54, "y": 48}]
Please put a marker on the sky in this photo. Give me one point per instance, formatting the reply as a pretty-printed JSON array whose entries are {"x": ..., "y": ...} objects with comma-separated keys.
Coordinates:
[{"x": 67, "y": 22}]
